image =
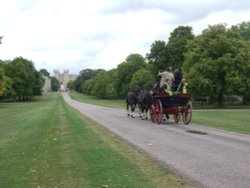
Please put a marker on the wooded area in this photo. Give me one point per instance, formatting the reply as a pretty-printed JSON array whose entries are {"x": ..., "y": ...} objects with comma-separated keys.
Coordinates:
[
  {"x": 19, "y": 79},
  {"x": 215, "y": 63}
]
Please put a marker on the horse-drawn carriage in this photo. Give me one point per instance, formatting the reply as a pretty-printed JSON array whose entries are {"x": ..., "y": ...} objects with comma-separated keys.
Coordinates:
[{"x": 177, "y": 105}]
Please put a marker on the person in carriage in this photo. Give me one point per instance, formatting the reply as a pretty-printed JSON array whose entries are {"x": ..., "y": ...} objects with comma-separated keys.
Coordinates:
[
  {"x": 182, "y": 88},
  {"x": 166, "y": 74},
  {"x": 161, "y": 79},
  {"x": 167, "y": 87},
  {"x": 177, "y": 79}
]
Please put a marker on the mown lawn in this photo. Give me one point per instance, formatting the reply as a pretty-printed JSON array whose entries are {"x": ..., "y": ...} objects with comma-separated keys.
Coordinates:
[
  {"x": 236, "y": 120},
  {"x": 45, "y": 143},
  {"x": 117, "y": 103},
  {"x": 231, "y": 118}
]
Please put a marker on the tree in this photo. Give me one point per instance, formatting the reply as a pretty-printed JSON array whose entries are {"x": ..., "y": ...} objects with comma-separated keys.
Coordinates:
[
  {"x": 70, "y": 85},
  {"x": 101, "y": 83},
  {"x": 87, "y": 86},
  {"x": 22, "y": 73},
  {"x": 44, "y": 72},
  {"x": 244, "y": 30},
  {"x": 2, "y": 82},
  {"x": 38, "y": 84},
  {"x": 214, "y": 62},
  {"x": 125, "y": 72},
  {"x": 158, "y": 55},
  {"x": 176, "y": 45},
  {"x": 142, "y": 77},
  {"x": 84, "y": 75},
  {"x": 54, "y": 84},
  {"x": 6, "y": 89}
]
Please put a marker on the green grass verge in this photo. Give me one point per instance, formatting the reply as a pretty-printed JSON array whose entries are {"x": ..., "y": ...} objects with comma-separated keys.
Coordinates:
[
  {"x": 232, "y": 118},
  {"x": 116, "y": 103},
  {"x": 46, "y": 143}
]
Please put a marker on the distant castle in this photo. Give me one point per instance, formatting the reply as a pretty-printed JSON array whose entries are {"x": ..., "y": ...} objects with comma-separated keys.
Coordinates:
[{"x": 64, "y": 77}]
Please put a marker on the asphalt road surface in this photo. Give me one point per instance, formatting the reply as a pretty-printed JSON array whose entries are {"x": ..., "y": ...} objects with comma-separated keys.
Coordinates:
[{"x": 215, "y": 159}]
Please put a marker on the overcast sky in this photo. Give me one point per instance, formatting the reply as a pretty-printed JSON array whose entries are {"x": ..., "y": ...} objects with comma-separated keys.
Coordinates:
[{"x": 80, "y": 34}]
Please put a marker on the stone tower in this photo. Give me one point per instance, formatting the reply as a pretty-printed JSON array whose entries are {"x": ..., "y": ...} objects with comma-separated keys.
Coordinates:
[{"x": 64, "y": 78}]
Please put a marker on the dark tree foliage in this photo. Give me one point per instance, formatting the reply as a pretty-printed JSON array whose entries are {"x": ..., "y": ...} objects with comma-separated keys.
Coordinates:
[
  {"x": 55, "y": 85},
  {"x": 177, "y": 44},
  {"x": 44, "y": 72},
  {"x": 26, "y": 81},
  {"x": 217, "y": 63},
  {"x": 158, "y": 55},
  {"x": 85, "y": 75},
  {"x": 125, "y": 71}
]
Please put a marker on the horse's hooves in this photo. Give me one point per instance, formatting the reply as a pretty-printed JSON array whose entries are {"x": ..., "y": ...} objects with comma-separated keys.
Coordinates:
[
  {"x": 133, "y": 116},
  {"x": 128, "y": 115}
]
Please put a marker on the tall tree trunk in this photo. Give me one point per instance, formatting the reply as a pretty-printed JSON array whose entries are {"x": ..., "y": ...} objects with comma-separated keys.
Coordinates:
[{"x": 220, "y": 100}]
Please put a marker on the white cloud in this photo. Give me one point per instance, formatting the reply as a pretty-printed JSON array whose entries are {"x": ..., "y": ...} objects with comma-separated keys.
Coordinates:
[{"x": 77, "y": 34}]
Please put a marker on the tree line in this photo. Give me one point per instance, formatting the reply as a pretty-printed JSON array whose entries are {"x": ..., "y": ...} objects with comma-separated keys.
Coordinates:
[
  {"x": 215, "y": 63},
  {"x": 19, "y": 79}
]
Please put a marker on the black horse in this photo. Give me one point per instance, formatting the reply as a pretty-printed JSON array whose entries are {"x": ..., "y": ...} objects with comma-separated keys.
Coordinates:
[
  {"x": 131, "y": 101},
  {"x": 145, "y": 102}
]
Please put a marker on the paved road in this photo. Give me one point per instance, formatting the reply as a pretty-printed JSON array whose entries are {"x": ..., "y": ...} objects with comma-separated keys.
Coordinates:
[{"x": 217, "y": 159}]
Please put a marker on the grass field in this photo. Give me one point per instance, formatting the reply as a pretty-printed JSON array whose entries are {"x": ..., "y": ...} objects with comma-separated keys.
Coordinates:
[
  {"x": 231, "y": 118},
  {"x": 117, "y": 103},
  {"x": 235, "y": 120},
  {"x": 45, "y": 143}
]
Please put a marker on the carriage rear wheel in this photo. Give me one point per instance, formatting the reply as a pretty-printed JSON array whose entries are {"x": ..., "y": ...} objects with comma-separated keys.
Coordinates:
[
  {"x": 158, "y": 111},
  {"x": 187, "y": 113}
]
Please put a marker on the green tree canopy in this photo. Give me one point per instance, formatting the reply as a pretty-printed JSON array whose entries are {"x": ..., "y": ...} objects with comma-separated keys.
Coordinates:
[
  {"x": 125, "y": 72},
  {"x": 26, "y": 81},
  {"x": 158, "y": 55},
  {"x": 44, "y": 72},
  {"x": 244, "y": 29},
  {"x": 84, "y": 75},
  {"x": 142, "y": 77},
  {"x": 2, "y": 82},
  {"x": 55, "y": 85},
  {"x": 176, "y": 45},
  {"x": 214, "y": 63}
]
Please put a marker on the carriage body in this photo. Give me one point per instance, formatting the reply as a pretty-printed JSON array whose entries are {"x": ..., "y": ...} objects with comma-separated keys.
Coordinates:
[{"x": 178, "y": 105}]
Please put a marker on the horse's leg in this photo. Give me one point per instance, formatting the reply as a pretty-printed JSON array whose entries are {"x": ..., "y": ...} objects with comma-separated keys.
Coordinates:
[
  {"x": 140, "y": 111},
  {"x": 133, "y": 109},
  {"x": 143, "y": 115},
  {"x": 146, "y": 113},
  {"x": 128, "y": 109}
]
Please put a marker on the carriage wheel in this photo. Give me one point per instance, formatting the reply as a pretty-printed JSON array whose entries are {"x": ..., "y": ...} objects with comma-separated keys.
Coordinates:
[
  {"x": 152, "y": 114},
  {"x": 177, "y": 117},
  {"x": 158, "y": 111},
  {"x": 187, "y": 113}
]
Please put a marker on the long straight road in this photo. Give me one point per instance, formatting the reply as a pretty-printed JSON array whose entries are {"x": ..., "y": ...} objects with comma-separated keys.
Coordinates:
[{"x": 216, "y": 159}]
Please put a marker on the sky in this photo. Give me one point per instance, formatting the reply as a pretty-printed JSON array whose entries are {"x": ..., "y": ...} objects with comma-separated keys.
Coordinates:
[{"x": 81, "y": 34}]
